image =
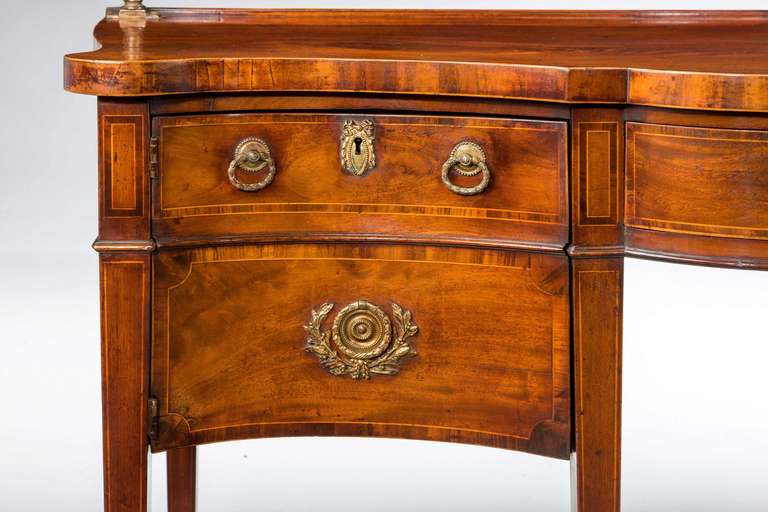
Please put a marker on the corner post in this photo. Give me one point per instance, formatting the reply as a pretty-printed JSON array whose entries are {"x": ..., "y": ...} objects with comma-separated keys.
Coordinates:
[
  {"x": 124, "y": 246},
  {"x": 597, "y": 275}
]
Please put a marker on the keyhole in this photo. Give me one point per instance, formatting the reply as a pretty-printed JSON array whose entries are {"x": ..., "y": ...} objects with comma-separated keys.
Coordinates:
[{"x": 358, "y": 144}]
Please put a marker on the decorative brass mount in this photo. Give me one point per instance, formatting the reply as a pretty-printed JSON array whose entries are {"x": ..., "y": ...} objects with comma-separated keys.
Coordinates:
[
  {"x": 362, "y": 332},
  {"x": 133, "y": 5},
  {"x": 252, "y": 155},
  {"x": 357, "y": 151},
  {"x": 133, "y": 13},
  {"x": 467, "y": 159}
]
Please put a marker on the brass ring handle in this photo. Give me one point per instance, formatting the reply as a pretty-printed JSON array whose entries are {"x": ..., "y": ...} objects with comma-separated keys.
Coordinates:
[
  {"x": 467, "y": 159},
  {"x": 252, "y": 155}
]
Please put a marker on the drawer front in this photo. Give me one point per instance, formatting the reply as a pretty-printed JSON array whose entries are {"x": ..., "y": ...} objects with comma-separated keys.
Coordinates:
[
  {"x": 400, "y": 191},
  {"x": 700, "y": 181},
  {"x": 396, "y": 341}
]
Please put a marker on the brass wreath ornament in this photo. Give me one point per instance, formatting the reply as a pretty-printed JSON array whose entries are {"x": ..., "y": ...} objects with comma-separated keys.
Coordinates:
[{"x": 361, "y": 341}]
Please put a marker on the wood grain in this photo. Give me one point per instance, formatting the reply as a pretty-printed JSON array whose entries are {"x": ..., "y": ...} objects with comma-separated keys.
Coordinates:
[
  {"x": 335, "y": 102},
  {"x": 124, "y": 210},
  {"x": 597, "y": 320},
  {"x": 402, "y": 194},
  {"x": 705, "y": 91},
  {"x": 124, "y": 242},
  {"x": 637, "y": 57},
  {"x": 597, "y": 177},
  {"x": 697, "y": 249},
  {"x": 125, "y": 379},
  {"x": 596, "y": 250},
  {"x": 182, "y": 479},
  {"x": 692, "y": 118},
  {"x": 698, "y": 181},
  {"x": 228, "y": 359},
  {"x": 124, "y": 148}
]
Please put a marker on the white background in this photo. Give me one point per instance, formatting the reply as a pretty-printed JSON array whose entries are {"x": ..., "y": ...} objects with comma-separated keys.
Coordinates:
[{"x": 695, "y": 406}]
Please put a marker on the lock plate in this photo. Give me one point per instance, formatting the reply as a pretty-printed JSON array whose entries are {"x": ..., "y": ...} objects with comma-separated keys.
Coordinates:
[{"x": 357, "y": 150}]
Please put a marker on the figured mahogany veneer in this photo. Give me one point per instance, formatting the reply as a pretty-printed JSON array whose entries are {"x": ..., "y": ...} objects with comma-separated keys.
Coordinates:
[
  {"x": 606, "y": 134},
  {"x": 594, "y": 57},
  {"x": 698, "y": 194},
  {"x": 489, "y": 370},
  {"x": 698, "y": 181},
  {"x": 311, "y": 193}
]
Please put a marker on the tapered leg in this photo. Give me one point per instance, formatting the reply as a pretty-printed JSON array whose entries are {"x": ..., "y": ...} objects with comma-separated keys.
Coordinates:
[
  {"x": 596, "y": 463},
  {"x": 125, "y": 245},
  {"x": 182, "y": 479},
  {"x": 124, "y": 331}
]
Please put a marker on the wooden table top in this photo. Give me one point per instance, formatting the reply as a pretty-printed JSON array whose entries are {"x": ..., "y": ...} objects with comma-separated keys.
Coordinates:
[{"x": 686, "y": 59}]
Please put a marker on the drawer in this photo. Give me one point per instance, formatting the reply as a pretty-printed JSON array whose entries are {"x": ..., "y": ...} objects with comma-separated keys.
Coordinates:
[
  {"x": 420, "y": 342},
  {"x": 699, "y": 181},
  {"x": 400, "y": 191}
]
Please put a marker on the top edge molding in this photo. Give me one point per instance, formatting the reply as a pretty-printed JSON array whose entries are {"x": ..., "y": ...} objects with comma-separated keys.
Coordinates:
[{"x": 709, "y": 60}]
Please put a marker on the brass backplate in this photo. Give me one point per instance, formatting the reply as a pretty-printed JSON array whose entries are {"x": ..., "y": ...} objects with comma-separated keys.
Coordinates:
[
  {"x": 468, "y": 155},
  {"x": 357, "y": 150}
]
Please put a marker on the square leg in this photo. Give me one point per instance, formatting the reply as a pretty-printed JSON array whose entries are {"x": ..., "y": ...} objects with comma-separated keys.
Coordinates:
[
  {"x": 125, "y": 380},
  {"x": 597, "y": 306},
  {"x": 182, "y": 479}
]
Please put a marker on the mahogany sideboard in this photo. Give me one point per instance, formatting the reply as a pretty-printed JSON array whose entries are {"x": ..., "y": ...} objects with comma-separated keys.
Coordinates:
[{"x": 404, "y": 223}]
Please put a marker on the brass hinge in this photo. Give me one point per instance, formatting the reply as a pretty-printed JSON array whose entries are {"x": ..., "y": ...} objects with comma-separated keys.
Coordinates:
[
  {"x": 153, "y": 413},
  {"x": 154, "y": 158}
]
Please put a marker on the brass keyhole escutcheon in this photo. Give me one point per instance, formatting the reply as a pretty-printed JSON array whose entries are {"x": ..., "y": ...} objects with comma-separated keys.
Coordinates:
[{"x": 357, "y": 152}]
